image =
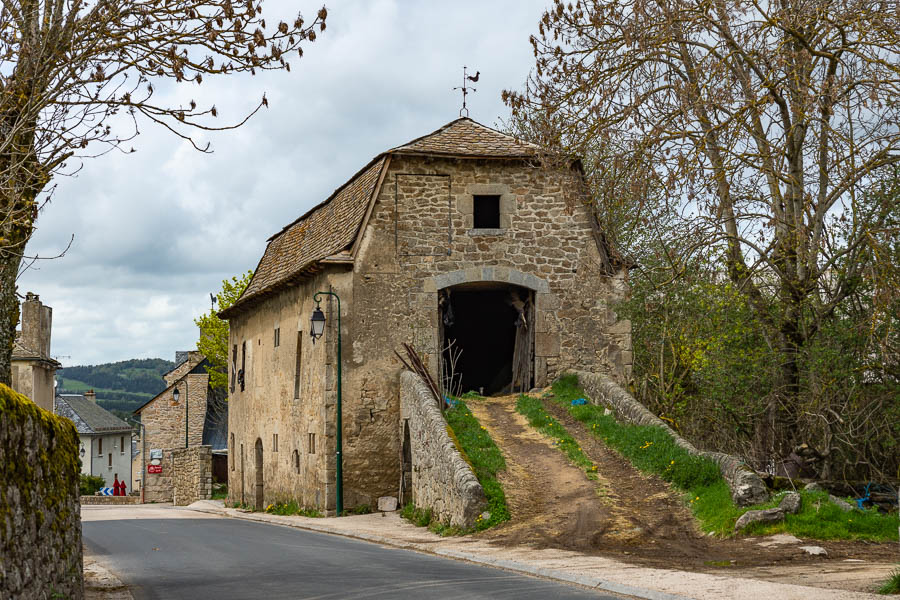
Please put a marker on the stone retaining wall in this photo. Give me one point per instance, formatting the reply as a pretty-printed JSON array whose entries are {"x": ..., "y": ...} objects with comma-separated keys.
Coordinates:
[
  {"x": 110, "y": 500},
  {"x": 441, "y": 478},
  {"x": 40, "y": 518},
  {"x": 746, "y": 486},
  {"x": 191, "y": 475}
]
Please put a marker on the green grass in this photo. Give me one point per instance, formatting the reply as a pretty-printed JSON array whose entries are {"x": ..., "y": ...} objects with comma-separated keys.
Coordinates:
[
  {"x": 892, "y": 584},
  {"x": 292, "y": 508},
  {"x": 484, "y": 457},
  {"x": 533, "y": 410},
  {"x": 219, "y": 491},
  {"x": 652, "y": 450},
  {"x": 479, "y": 450}
]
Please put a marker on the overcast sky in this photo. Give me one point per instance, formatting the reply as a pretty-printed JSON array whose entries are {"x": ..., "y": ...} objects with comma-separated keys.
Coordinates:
[{"x": 158, "y": 230}]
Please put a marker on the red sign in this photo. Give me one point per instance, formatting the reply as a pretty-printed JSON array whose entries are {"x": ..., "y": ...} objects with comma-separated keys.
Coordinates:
[{"x": 154, "y": 469}]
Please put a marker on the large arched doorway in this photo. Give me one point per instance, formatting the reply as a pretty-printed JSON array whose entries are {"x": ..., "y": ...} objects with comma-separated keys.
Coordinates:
[
  {"x": 259, "y": 502},
  {"x": 487, "y": 337}
]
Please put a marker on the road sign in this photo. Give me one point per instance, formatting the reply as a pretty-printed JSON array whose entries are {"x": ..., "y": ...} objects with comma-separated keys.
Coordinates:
[
  {"x": 156, "y": 469},
  {"x": 106, "y": 491}
]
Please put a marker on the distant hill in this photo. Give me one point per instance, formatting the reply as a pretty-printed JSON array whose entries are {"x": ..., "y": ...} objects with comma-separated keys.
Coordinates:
[{"x": 121, "y": 386}]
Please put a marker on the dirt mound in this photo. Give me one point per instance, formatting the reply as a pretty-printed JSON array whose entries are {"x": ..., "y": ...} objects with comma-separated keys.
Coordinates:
[{"x": 624, "y": 513}]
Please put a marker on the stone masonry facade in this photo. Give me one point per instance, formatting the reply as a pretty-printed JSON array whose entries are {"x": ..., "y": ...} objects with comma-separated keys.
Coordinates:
[
  {"x": 40, "y": 517},
  {"x": 440, "y": 479},
  {"x": 192, "y": 475},
  {"x": 164, "y": 423},
  {"x": 417, "y": 241}
]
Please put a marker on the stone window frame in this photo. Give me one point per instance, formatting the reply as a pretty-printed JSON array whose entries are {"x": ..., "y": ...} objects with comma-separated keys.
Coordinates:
[
  {"x": 277, "y": 340},
  {"x": 466, "y": 206},
  {"x": 311, "y": 442}
]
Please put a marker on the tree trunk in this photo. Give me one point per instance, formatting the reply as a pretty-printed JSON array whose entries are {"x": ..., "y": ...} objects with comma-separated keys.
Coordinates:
[{"x": 9, "y": 311}]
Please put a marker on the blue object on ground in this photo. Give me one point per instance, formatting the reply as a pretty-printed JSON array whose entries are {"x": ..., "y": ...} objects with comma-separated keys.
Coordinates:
[
  {"x": 859, "y": 501},
  {"x": 451, "y": 403},
  {"x": 579, "y": 402}
]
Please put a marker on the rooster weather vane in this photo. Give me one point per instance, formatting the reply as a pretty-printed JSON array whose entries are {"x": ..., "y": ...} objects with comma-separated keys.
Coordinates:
[{"x": 466, "y": 90}]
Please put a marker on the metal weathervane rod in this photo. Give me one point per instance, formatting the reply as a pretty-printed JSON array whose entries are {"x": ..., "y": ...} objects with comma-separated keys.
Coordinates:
[{"x": 464, "y": 112}]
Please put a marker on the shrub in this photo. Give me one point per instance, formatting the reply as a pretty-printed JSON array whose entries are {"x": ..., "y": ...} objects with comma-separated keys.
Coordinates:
[{"x": 91, "y": 484}]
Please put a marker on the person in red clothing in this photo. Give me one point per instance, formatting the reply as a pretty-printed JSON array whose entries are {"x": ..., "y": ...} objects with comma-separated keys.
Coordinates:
[
  {"x": 122, "y": 486},
  {"x": 117, "y": 487}
]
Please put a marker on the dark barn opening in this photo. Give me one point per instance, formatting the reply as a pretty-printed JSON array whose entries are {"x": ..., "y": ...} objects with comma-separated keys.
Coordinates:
[{"x": 489, "y": 325}]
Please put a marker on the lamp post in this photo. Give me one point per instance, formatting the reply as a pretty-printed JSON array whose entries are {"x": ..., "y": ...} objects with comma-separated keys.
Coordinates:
[
  {"x": 316, "y": 330},
  {"x": 175, "y": 395}
]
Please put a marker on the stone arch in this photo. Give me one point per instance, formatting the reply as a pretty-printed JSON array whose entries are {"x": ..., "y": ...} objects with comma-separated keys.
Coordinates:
[{"x": 496, "y": 274}]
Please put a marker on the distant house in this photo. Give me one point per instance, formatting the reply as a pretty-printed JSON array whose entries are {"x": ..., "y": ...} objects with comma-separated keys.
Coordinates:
[
  {"x": 199, "y": 416},
  {"x": 105, "y": 439},
  {"x": 33, "y": 370}
]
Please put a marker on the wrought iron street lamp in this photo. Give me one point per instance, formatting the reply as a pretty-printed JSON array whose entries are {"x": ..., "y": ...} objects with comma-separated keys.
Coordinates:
[
  {"x": 175, "y": 395},
  {"x": 316, "y": 330}
]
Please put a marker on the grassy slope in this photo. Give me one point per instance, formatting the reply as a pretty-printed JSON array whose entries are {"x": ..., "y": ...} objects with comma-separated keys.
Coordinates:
[
  {"x": 651, "y": 450},
  {"x": 484, "y": 457}
]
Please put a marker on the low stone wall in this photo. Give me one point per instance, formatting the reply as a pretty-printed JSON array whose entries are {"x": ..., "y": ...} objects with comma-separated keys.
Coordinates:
[
  {"x": 158, "y": 486},
  {"x": 110, "y": 500},
  {"x": 191, "y": 475},
  {"x": 441, "y": 479},
  {"x": 40, "y": 518},
  {"x": 746, "y": 486}
]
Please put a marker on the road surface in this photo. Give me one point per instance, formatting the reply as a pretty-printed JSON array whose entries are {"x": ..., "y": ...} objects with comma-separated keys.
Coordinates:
[{"x": 168, "y": 554}]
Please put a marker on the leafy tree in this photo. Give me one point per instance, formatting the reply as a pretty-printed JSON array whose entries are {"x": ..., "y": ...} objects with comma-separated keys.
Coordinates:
[
  {"x": 213, "y": 342},
  {"x": 78, "y": 76},
  {"x": 751, "y": 131}
]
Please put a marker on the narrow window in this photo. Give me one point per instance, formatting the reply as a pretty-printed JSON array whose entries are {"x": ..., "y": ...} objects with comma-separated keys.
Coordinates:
[
  {"x": 297, "y": 366},
  {"x": 109, "y": 462},
  {"x": 233, "y": 365},
  {"x": 277, "y": 336},
  {"x": 100, "y": 447},
  {"x": 122, "y": 444},
  {"x": 242, "y": 374},
  {"x": 486, "y": 212},
  {"x": 231, "y": 453},
  {"x": 312, "y": 443},
  {"x": 274, "y": 442},
  {"x": 296, "y": 459}
]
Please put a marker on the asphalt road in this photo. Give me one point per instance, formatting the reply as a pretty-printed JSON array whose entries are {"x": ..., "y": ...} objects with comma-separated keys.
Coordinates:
[{"x": 219, "y": 558}]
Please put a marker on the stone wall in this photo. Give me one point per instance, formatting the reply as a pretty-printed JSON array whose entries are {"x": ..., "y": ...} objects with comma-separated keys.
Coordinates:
[
  {"x": 40, "y": 522},
  {"x": 192, "y": 475},
  {"x": 747, "y": 487},
  {"x": 418, "y": 241},
  {"x": 441, "y": 479},
  {"x": 110, "y": 500},
  {"x": 159, "y": 486}
]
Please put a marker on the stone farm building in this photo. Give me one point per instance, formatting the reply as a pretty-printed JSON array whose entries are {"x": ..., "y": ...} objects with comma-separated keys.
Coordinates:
[{"x": 458, "y": 236}]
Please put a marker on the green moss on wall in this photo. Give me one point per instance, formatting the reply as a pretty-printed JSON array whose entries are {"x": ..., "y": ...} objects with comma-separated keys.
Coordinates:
[{"x": 40, "y": 460}]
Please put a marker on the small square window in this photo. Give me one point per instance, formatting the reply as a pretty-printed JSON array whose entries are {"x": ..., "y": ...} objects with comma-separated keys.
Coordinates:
[{"x": 486, "y": 212}]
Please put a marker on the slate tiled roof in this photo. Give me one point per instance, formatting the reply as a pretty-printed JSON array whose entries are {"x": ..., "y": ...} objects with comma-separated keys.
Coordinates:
[
  {"x": 88, "y": 416},
  {"x": 465, "y": 137},
  {"x": 23, "y": 352},
  {"x": 332, "y": 226}
]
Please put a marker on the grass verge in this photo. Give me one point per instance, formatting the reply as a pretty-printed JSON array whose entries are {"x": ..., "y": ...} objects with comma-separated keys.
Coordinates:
[
  {"x": 533, "y": 410},
  {"x": 485, "y": 459},
  {"x": 651, "y": 450},
  {"x": 219, "y": 491},
  {"x": 292, "y": 508},
  {"x": 892, "y": 584}
]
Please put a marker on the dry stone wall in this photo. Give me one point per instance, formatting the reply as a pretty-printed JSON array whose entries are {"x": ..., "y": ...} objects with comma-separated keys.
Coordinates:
[
  {"x": 192, "y": 475},
  {"x": 747, "y": 487},
  {"x": 441, "y": 479},
  {"x": 40, "y": 518}
]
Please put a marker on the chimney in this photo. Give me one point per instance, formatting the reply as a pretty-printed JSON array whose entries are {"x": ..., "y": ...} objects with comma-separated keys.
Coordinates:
[
  {"x": 37, "y": 320},
  {"x": 91, "y": 395}
]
